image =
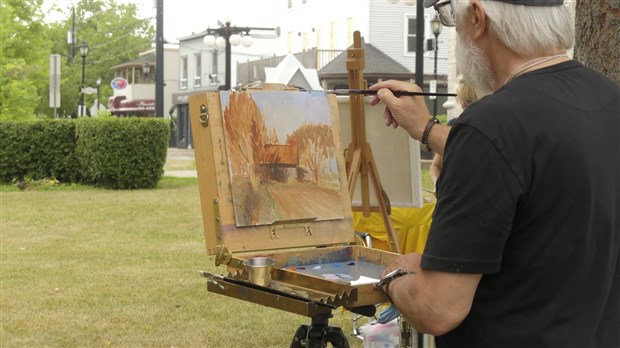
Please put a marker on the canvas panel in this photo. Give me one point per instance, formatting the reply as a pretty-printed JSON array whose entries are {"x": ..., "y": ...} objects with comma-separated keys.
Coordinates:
[
  {"x": 220, "y": 223},
  {"x": 281, "y": 157}
]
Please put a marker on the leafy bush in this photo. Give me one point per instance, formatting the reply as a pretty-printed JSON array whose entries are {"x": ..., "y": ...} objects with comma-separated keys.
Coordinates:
[
  {"x": 38, "y": 149},
  {"x": 104, "y": 151},
  {"x": 125, "y": 153}
]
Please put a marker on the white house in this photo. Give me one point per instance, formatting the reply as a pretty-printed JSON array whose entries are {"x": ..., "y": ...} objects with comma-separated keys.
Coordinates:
[
  {"x": 389, "y": 25},
  {"x": 203, "y": 68}
]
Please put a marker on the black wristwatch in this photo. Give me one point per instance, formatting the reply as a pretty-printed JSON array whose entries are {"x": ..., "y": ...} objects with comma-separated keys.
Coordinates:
[{"x": 391, "y": 276}]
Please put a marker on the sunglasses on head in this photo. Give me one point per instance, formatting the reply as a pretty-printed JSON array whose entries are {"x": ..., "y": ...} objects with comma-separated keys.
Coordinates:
[{"x": 445, "y": 12}]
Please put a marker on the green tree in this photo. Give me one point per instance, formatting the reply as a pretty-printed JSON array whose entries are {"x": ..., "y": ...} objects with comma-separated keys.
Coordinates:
[
  {"x": 23, "y": 58},
  {"x": 114, "y": 34}
]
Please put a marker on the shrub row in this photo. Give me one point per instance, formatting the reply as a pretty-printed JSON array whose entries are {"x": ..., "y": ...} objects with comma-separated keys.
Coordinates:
[
  {"x": 38, "y": 149},
  {"x": 110, "y": 152}
]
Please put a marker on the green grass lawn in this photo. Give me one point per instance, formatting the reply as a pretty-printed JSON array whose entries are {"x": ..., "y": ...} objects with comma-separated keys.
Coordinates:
[
  {"x": 84, "y": 267},
  {"x": 87, "y": 267}
]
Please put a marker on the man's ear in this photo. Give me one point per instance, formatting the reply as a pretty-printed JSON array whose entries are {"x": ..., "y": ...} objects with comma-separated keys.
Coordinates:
[{"x": 479, "y": 20}]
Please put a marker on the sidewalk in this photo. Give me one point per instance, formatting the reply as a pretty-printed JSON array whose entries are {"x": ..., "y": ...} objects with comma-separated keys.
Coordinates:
[
  {"x": 181, "y": 173},
  {"x": 180, "y": 154},
  {"x": 188, "y": 154}
]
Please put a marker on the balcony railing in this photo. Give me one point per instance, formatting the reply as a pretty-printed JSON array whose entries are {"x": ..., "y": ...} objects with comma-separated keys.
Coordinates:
[{"x": 254, "y": 71}]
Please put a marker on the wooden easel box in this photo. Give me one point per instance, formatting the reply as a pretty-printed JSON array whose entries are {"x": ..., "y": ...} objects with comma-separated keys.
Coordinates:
[{"x": 289, "y": 243}]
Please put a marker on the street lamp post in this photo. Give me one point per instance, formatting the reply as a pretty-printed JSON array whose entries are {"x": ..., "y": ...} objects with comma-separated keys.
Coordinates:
[
  {"x": 83, "y": 53},
  {"x": 146, "y": 69},
  {"x": 98, "y": 87},
  {"x": 436, "y": 29},
  {"x": 228, "y": 35}
]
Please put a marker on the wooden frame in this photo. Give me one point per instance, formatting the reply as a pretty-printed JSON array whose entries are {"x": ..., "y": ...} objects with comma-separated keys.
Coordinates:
[{"x": 216, "y": 194}]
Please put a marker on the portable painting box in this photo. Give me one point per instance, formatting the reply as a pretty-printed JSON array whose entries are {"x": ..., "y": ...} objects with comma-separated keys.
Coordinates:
[{"x": 318, "y": 267}]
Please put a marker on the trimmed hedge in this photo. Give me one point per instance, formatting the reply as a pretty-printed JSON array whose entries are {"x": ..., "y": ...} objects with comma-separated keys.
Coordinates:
[
  {"x": 122, "y": 153},
  {"x": 114, "y": 153},
  {"x": 38, "y": 149}
]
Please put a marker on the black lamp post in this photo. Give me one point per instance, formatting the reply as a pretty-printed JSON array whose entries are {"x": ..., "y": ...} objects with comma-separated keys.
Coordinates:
[
  {"x": 98, "y": 87},
  {"x": 436, "y": 29},
  {"x": 83, "y": 53},
  {"x": 228, "y": 35},
  {"x": 146, "y": 69}
]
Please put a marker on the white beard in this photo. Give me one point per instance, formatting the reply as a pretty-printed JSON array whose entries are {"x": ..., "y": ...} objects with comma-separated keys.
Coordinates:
[{"x": 475, "y": 68}]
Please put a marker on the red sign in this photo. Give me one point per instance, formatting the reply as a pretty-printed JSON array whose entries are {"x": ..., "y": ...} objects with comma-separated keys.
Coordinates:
[{"x": 119, "y": 83}]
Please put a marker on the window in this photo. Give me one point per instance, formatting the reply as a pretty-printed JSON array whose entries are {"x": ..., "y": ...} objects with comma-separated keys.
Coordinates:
[
  {"x": 304, "y": 41},
  {"x": 412, "y": 28},
  {"x": 349, "y": 31},
  {"x": 184, "y": 72},
  {"x": 197, "y": 69},
  {"x": 213, "y": 75},
  {"x": 332, "y": 35},
  {"x": 411, "y": 32},
  {"x": 289, "y": 41}
]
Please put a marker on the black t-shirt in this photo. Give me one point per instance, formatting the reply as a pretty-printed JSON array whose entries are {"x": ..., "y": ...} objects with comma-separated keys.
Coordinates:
[{"x": 529, "y": 196}]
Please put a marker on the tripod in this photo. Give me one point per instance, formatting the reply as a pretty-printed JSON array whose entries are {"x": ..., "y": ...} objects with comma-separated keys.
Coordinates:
[{"x": 318, "y": 334}]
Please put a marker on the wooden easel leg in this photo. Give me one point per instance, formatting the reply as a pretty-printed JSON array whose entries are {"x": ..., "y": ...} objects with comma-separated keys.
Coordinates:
[
  {"x": 356, "y": 162},
  {"x": 364, "y": 173},
  {"x": 383, "y": 205}
]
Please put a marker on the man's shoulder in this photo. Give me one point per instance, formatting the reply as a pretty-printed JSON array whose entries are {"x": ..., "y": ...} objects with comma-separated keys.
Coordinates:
[{"x": 488, "y": 111}]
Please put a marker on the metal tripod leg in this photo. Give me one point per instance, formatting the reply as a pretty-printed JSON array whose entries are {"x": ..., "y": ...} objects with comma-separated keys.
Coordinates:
[
  {"x": 409, "y": 338},
  {"x": 318, "y": 334}
]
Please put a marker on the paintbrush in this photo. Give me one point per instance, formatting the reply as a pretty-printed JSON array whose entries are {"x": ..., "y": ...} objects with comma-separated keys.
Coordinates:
[{"x": 396, "y": 93}]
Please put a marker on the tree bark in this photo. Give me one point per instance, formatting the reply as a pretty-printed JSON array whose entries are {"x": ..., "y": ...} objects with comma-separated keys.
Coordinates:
[{"x": 597, "y": 36}]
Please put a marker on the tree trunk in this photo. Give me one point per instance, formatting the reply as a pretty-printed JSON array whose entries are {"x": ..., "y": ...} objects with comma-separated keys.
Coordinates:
[{"x": 597, "y": 36}]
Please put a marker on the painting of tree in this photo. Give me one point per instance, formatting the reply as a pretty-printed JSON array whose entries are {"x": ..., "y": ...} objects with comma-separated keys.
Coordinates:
[
  {"x": 316, "y": 144},
  {"x": 281, "y": 157},
  {"x": 245, "y": 136}
]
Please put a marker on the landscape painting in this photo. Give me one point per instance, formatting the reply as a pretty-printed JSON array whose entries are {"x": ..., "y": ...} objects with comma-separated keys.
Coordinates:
[{"x": 281, "y": 157}]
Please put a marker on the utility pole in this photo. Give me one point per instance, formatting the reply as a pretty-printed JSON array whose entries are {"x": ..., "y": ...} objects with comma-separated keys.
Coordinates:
[
  {"x": 419, "y": 44},
  {"x": 71, "y": 36},
  {"x": 159, "y": 58}
]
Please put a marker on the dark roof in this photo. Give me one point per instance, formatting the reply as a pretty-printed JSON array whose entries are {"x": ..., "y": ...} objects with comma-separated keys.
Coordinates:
[
  {"x": 138, "y": 62},
  {"x": 377, "y": 65}
]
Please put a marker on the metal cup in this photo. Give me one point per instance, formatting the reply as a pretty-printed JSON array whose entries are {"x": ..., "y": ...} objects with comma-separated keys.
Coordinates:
[{"x": 259, "y": 270}]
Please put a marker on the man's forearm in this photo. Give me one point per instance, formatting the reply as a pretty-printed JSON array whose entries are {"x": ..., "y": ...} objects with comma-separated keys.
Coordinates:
[{"x": 431, "y": 301}]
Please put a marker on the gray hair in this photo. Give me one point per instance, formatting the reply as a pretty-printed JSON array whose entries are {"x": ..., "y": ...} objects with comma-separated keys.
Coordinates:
[{"x": 527, "y": 30}]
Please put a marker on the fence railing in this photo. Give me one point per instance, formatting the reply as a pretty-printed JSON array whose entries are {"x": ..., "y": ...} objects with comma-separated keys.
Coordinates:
[{"x": 254, "y": 71}]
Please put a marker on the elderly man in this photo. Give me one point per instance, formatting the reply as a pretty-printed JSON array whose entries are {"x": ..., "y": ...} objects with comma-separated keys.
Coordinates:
[{"x": 525, "y": 242}]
